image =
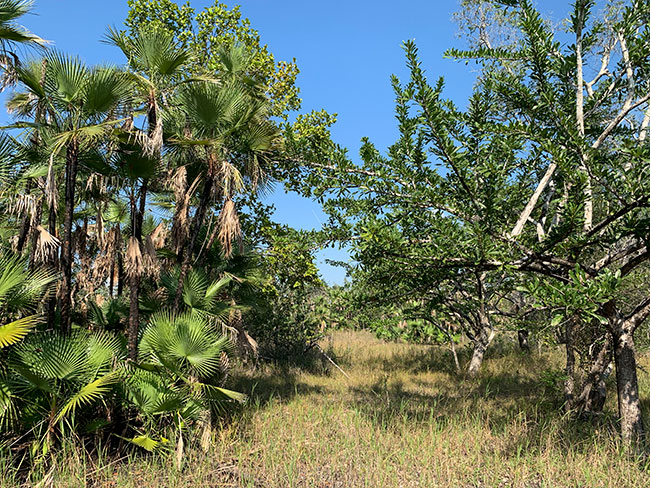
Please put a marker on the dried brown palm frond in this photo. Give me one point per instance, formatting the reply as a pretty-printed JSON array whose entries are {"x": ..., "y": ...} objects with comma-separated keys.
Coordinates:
[
  {"x": 231, "y": 179},
  {"x": 150, "y": 263},
  {"x": 104, "y": 259},
  {"x": 46, "y": 245},
  {"x": 224, "y": 367},
  {"x": 181, "y": 219},
  {"x": 247, "y": 345},
  {"x": 160, "y": 295},
  {"x": 94, "y": 181},
  {"x": 153, "y": 242},
  {"x": 80, "y": 241},
  {"x": 178, "y": 182},
  {"x": 133, "y": 262},
  {"x": 100, "y": 235},
  {"x": 205, "y": 421},
  {"x": 128, "y": 124},
  {"x": 159, "y": 236},
  {"x": 112, "y": 250},
  {"x": 152, "y": 143},
  {"x": 229, "y": 228},
  {"x": 22, "y": 204},
  {"x": 9, "y": 62},
  {"x": 13, "y": 243}
]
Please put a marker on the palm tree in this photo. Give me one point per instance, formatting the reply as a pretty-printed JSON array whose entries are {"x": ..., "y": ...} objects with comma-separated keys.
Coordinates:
[
  {"x": 31, "y": 103},
  {"x": 226, "y": 134},
  {"x": 84, "y": 103},
  {"x": 156, "y": 62},
  {"x": 50, "y": 377}
]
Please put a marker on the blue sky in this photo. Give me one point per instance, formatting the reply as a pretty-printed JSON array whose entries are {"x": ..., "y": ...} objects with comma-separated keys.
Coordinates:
[{"x": 346, "y": 51}]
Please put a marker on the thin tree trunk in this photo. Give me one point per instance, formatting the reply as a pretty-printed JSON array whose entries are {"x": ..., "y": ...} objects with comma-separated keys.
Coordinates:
[
  {"x": 120, "y": 274},
  {"x": 481, "y": 344},
  {"x": 485, "y": 333},
  {"x": 53, "y": 262},
  {"x": 452, "y": 347},
  {"x": 594, "y": 392},
  {"x": 134, "y": 281},
  {"x": 35, "y": 234},
  {"x": 111, "y": 279},
  {"x": 67, "y": 248},
  {"x": 569, "y": 384},
  {"x": 522, "y": 336},
  {"x": 627, "y": 385}
]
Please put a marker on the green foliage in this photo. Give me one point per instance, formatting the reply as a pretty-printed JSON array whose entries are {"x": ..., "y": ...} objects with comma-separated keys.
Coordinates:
[
  {"x": 286, "y": 320},
  {"x": 50, "y": 379},
  {"x": 207, "y": 34},
  {"x": 178, "y": 378},
  {"x": 21, "y": 290}
]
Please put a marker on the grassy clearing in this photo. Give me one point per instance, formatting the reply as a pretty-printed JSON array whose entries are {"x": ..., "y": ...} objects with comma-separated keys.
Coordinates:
[{"x": 402, "y": 419}]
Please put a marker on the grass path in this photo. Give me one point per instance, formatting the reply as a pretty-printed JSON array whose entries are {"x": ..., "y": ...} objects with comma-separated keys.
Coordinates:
[{"x": 402, "y": 419}]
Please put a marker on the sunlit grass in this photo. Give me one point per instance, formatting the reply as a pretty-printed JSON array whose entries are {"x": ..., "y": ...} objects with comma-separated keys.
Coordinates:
[{"x": 403, "y": 418}]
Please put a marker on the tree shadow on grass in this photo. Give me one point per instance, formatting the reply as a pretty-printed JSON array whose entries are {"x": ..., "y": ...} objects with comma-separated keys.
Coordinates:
[
  {"x": 507, "y": 404},
  {"x": 271, "y": 383}
]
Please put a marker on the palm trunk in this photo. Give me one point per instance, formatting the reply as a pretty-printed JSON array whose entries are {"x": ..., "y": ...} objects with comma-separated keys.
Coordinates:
[
  {"x": 120, "y": 274},
  {"x": 111, "y": 278},
  {"x": 72, "y": 161},
  {"x": 197, "y": 223},
  {"x": 34, "y": 238},
  {"x": 53, "y": 262},
  {"x": 134, "y": 281},
  {"x": 25, "y": 225}
]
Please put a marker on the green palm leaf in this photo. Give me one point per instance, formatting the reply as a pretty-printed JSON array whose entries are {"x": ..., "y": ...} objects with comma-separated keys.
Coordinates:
[
  {"x": 148, "y": 443},
  {"x": 90, "y": 393},
  {"x": 15, "y": 331}
]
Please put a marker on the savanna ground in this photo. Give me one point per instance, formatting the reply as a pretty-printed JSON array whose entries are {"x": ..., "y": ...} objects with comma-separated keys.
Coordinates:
[{"x": 403, "y": 418}]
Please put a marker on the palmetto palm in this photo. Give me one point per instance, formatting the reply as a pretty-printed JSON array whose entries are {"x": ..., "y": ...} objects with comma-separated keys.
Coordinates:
[
  {"x": 83, "y": 103},
  {"x": 181, "y": 366},
  {"x": 38, "y": 169},
  {"x": 156, "y": 63},
  {"x": 225, "y": 134},
  {"x": 50, "y": 377}
]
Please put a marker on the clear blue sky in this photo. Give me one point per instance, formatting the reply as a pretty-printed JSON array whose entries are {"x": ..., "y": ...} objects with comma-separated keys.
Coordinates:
[{"x": 346, "y": 51}]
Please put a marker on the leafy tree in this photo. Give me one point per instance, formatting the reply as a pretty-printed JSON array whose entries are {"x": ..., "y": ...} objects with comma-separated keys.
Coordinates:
[
  {"x": 538, "y": 175},
  {"x": 210, "y": 33}
]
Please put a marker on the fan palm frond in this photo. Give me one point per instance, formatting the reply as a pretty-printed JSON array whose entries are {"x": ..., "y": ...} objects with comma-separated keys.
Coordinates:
[
  {"x": 89, "y": 394},
  {"x": 15, "y": 331}
]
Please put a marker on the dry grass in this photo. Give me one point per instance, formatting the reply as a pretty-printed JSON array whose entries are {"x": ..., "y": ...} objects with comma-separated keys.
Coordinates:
[{"x": 402, "y": 419}]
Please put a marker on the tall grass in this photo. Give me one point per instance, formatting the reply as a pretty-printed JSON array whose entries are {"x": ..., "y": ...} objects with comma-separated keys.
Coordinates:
[{"x": 403, "y": 418}]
